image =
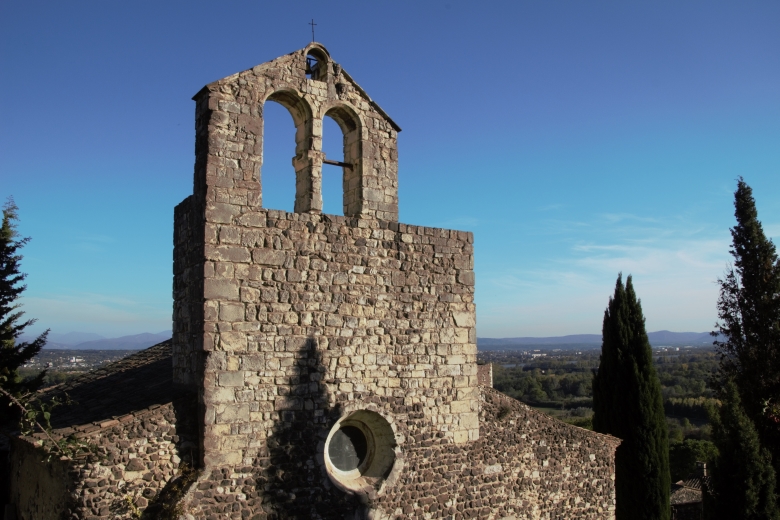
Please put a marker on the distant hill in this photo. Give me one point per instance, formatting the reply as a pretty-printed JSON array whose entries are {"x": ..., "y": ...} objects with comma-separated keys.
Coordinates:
[
  {"x": 657, "y": 339},
  {"x": 88, "y": 341},
  {"x": 73, "y": 338}
]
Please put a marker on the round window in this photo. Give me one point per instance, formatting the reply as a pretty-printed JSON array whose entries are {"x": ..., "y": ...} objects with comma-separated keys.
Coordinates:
[
  {"x": 360, "y": 451},
  {"x": 348, "y": 448}
]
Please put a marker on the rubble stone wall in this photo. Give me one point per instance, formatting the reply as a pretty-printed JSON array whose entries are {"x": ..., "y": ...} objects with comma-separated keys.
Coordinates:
[
  {"x": 525, "y": 465},
  {"x": 135, "y": 457}
]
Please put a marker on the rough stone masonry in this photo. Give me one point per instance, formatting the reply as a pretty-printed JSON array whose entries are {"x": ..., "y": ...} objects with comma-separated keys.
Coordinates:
[
  {"x": 289, "y": 323},
  {"x": 329, "y": 361}
]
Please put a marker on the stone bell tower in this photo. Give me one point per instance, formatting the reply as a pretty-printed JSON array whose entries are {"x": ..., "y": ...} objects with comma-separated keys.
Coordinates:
[{"x": 332, "y": 345}]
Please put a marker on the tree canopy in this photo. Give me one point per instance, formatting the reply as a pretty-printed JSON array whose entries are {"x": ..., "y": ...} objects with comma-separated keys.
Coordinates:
[
  {"x": 749, "y": 321},
  {"x": 14, "y": 353},
  {"x": 627, "y": 403},
  {"x": 743, "y": 480}
]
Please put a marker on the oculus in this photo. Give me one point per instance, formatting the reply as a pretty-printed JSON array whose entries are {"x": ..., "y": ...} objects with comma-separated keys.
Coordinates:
[{"x": 360, "y": 451}]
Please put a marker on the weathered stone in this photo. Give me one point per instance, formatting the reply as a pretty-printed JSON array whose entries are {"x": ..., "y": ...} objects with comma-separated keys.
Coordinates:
[
  {"x": 286, "y": 324},
  {"x": 268, "y": 257}
]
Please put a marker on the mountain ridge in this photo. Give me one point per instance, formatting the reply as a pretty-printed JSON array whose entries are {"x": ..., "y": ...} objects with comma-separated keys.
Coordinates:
[
  {"x": 91, "y": 341},
  {"x": 657, "y": 339}
]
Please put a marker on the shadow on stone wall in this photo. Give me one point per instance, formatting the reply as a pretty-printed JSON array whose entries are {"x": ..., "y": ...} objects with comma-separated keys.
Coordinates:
[
  {"x": 293, "y": 480},
  {"x": 165, "y": 504}
]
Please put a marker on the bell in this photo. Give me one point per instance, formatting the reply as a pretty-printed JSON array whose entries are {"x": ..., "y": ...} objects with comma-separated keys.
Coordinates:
[{"x": 311, "y": 65}]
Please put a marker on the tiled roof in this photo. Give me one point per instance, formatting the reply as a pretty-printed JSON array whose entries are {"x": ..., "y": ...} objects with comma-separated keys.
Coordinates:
[
  {"x": 687, "y": 491},
  {"x": 103, "y": 397},
  {"x": 683, "y": 495}
]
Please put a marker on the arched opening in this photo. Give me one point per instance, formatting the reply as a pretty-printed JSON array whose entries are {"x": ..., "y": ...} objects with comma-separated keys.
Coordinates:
[
  {"x": 332, "y": 175},
  {"x": 279, "y": 156},
  {"x": 316, "y": 65},
  {"x": 277, "y": 174},
  {"x": 343, "y": 177}
]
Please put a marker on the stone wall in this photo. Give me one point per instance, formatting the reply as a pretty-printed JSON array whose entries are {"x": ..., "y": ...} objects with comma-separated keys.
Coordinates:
[
  {"x": 40, "y": 488},
  {"x": 485, "y": 375},
  {"x": 136, "y": 455},
  {"x": 525, "y": 465},
  {"x": 188, "y": 263},
  {"x": 309, "y": 320},
  {"x": 223, "y": 222},
  {"x": 387, "y": 307},
  {"x": 229, "y": 137}
]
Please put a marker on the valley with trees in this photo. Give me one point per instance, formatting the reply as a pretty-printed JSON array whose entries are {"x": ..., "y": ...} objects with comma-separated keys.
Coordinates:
[
  {"x": 673, "y": 408},
  {"x": 560, "y": 383}
]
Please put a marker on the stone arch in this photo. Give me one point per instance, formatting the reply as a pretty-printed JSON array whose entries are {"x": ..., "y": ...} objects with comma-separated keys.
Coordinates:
[
  {"x": 233, "y": 160},
  {"x": 319, "y": 70},
  {"x": 307, "y": 161},
  {"x": 351, "y": 126}
]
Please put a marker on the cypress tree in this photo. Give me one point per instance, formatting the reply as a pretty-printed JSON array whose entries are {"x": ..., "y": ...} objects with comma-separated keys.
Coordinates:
[
  {"x": 14, "y": 353},
  {"x": 749, "y": 312},
  {"x": 627, "y": 403},
  {"x": 743, "y": 480}
]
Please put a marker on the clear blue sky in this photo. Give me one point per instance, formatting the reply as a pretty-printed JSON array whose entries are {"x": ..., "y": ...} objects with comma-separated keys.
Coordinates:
[{"x": 575, "y": 139}]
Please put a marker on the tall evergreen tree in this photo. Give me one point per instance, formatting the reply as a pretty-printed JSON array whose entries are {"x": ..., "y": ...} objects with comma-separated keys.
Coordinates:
[
  {"x": 14, "y": 353},
  {"x": 743, "y": 480},
  {"x": 627, "y": 403},
  {"x": 749, "y": 312}
]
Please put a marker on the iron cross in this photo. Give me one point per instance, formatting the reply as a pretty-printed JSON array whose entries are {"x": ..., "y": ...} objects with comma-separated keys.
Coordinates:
[{"x": 312, "y": 29}]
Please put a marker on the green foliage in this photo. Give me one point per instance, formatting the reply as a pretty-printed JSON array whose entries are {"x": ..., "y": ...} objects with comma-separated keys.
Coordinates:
[
  {"x": 686, "y": 375},
  {"x": 14, "y": 353},
  {"x": 684, "y": 378},
  {"x": 627, "y": 403},
  {"x": 684, "y": 455},
  {"x": 503, "y": 412},
  {"x": 749, "y": 320},
  {"x": 51, "y": 377},
  {"x": 35, "y": 420},
  {"x": 540, "y": 385},
  {"x": 689, "y": 407},
  {"x": 582, "y": 422},
  {"x": 743, "y": 479}
]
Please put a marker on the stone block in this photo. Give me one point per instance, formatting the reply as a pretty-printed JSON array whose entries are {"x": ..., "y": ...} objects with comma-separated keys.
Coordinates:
[
  {"x": 231, "y": 379},
  {"x": 229, "y": 413},
  {"x": 231, "y": 312},
  {"x": 448, "y": 370},
  {"x": 288, "y": 403},
  {"x": 460, "y": 406},
  {"x": 220, "y": 289},
  {"x": 221, "y": 213},
  {"x": 251, "y": 220},
  {"x": 466, "y": 278},
  {"x": 268, "y": 257},
  {"x": 222, "y": 395},
  {"x": 228, "y": 254},
  {"x": 233, "y": 341},
  {"x": 464, "y": 319}
]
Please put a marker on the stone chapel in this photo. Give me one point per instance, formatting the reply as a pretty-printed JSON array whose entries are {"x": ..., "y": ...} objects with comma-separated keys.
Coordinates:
[{"x": 321, "y": 366}]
